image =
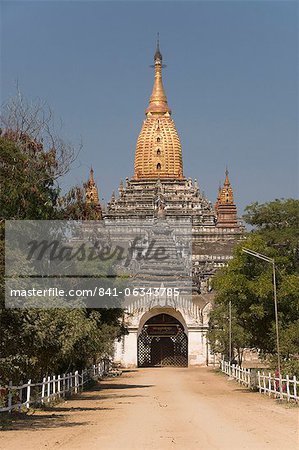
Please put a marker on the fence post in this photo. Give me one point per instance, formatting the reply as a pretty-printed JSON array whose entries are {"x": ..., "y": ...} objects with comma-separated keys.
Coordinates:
[
  {"x": 288, "y": 387},
  {"x": 63, "y": 384},
  {"x": 10, "y": 396},
  {"x": 259, "y": 381},
  {"x": 264, "y": 383},
  {"x": 43, "y": 389},
  {"x": 28, "y": 394},
  {"x": 48, "y": 389},
  {"x": 295, "y": 387},
  {"x": 58, "y": 385},
  {"x": 54, "y": 386},
  {"x": 76, "y": 381},
  {"x": 71, "y": 381}
]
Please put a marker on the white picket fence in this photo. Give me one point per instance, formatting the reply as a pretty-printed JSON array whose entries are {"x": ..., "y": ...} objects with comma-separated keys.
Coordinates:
[
  {"x": 51, "y": 388},
  {"x": 266, "y": 383},
  {"x": 242, "y": 375},
  {"x": 270, "y": 384}
]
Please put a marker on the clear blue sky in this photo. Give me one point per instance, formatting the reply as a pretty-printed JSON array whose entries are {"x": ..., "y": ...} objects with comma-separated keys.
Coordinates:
[{"x": 231, "y": 81}]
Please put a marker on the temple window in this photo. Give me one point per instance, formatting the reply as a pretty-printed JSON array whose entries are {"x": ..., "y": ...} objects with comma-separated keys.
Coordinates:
[
  {"x": 158, "y": 166},
  {"x": 158, "y": 152}
]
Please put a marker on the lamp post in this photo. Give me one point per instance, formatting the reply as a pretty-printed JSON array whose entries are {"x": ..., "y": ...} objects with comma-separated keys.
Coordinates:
[
  {"x": 230, "y": 331},
  {"x": 271, "y": 261}
]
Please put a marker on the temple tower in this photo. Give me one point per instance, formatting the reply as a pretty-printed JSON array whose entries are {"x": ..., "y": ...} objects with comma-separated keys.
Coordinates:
[
  {"x": 91, "y": 190},
  {"x": 158, "y": 149},
  {"x": 225, "y": 207},
  {"x": 92, "y": 194}
]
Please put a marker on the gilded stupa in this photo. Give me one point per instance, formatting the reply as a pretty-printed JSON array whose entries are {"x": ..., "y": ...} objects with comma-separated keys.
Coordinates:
[
  {"x": 92, "y": 195},
  {"x": 158, "y": 149},
  {"x": 91, "y": 190}
]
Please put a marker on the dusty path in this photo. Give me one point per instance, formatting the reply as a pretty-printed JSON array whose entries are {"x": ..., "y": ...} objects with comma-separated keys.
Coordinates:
[{"x": 161, "y": 409}]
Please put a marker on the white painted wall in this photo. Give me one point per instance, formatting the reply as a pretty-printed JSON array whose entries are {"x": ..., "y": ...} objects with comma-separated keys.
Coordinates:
[{"x": 126, "y": 349}]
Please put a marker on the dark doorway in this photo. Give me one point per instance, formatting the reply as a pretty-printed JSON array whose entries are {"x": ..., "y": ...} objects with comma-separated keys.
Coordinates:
[{"x": 162, "y": 342}]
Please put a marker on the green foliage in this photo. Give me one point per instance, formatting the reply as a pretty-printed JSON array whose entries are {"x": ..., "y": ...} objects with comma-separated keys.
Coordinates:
[
  {"x": 248, "y": 283},
  {"x": 28, "y": 190},
  {"x": 219, "y": 332},
  {"x": 278, "y": 223},
  {"x": 36, "y": 342}
]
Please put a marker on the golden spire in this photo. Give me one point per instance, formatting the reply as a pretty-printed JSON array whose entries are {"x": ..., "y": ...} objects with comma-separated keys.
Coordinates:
[
  {"x": 226, "y": 181},
  {"x": 91, "y": 190},
  {"x": 226, "y": 193},
  {"x": 91, "y": 178},
  {"x": 158, "y": 100},
  {"x": 158, "y": 149}
]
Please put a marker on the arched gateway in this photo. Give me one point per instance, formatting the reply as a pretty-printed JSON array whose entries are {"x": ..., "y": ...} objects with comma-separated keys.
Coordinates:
[{"x": 162, "y": 342}]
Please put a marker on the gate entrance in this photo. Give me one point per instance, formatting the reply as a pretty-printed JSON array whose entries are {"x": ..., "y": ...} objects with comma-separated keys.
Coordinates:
[{"x": 162, "y": 342}]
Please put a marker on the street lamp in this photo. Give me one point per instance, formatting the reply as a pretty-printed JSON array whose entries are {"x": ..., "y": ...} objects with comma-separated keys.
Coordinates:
[
  {"x": 230, "y": 331},
  {"x": 271, "y": 261}
]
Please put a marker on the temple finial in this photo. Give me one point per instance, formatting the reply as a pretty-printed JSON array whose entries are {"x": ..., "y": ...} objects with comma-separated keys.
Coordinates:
[
  {"x": 226, "y": 182},
  {"x": 158, "y": 100},
  {"x": 91, "y": 174},
  {"x": 158, "y": 55}
]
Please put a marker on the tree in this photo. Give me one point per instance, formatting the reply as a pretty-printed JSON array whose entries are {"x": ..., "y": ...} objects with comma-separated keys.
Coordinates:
[
  {"x": 35, "y": 342},
  {"x": 247, "y": 283},
  {"x": 278, "y": 223},
  {"x": 219, "y": 332},
  {"x": 72, "y": 206},
  {"x": 32, "y": 123}
]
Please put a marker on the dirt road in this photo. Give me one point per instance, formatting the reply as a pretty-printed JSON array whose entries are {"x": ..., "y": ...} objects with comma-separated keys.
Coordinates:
[{"x": 161, "y": 409}]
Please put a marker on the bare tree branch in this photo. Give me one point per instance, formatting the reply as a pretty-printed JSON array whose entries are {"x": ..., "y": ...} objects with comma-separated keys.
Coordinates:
[{"x": 33, "y": 123}]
